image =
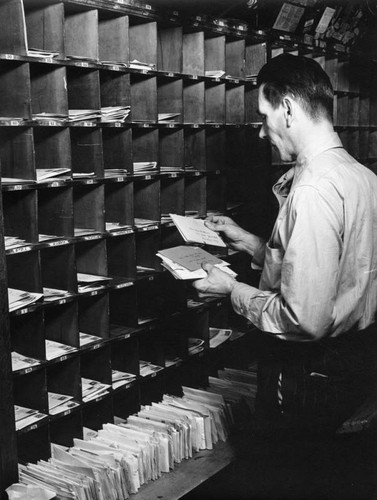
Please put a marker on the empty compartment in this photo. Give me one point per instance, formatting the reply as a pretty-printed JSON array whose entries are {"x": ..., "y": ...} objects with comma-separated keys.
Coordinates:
[
  {"x": 215, "y": 102},
  {"x": 93, "y": 316},
  {"x": 170, "y": 99},
  {"x": 45, "y": 27},
  {"x": 15, "y": 89},
  {"x": 52, "y": 148},
  {"x": 48, "y": 89},
  {"x": 121, "y": 254},
  {"x": 27, "y": 335},
  {"x": 251, "y": 105},
  {"x": 59, "y": 268},
  {"x": 123, "y": 315},
  {"x": 193, "y": 53},
  {"x": 17, "y": 153},
  {"x": 171, "y": 149},
  {"x": 119, "y": 205},
  {"x": 81, "y": 34},
  {"x": 193, "y": 102},
  {"x": 88, "y": 208},
  {"x": 12, "y": 34},
  {"x": 66, "y": 428},
  {"x": 214, "y": 52},
  {"x": 145, "y": 147},
  {"x": 87, "y": 153},
  {"x": 20, "y": 214},
  {"x": 55, "y": 212},
  {"x": 83, "y": 88},
  {"x": 235, "y": 104},
  {"x": 215, "y": 149},
  {"x": 117, "y": 151},
  {"x": 195, "y": 195},
  {"x": 61, "y": 324},
  {"x": 147, "y": 245},
  {"x": 143, "y": 98},
  {"x": 172, "y": 196},
  {"x": 91, "y": 258},
  {"x": 147, "y": 199},
  {"x": 235, "y": 57},
  {"x": 255, "y": 57},
  {"x": 216, "y": 192},
  {"x": 195, "y": 149},
  {"x": 143, "y": 42},
  {"x": 169, "y": 49},
  {"x": 113, "y": 39}
]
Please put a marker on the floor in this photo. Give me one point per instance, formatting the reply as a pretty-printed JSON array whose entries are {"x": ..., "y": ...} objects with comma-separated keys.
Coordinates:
[{"x": 297, "y": 468}]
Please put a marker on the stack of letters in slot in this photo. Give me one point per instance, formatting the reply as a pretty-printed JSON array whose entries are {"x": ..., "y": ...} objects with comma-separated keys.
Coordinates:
[{"x": 117, "y": 460}]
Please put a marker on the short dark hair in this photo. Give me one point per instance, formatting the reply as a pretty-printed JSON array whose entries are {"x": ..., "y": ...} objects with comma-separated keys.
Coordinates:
[{"x": 301, "y": 77}]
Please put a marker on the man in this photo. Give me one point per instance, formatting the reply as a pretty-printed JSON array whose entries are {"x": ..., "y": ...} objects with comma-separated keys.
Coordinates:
[{"x": 317, "y": 296}]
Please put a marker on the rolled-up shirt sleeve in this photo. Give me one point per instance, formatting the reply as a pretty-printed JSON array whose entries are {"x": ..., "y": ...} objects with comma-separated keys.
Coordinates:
[{"x": 302, "y": 306}]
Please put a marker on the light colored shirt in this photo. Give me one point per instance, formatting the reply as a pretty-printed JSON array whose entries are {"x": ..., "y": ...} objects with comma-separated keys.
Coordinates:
[{"x": 320, "y": 272}]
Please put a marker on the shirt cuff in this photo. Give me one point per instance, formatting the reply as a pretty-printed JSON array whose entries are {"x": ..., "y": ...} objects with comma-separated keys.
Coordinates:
[{"x": 241, "y": 296}]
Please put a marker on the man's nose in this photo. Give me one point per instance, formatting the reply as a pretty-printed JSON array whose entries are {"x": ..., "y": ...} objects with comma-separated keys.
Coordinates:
[{"x": 262, "y": 133}]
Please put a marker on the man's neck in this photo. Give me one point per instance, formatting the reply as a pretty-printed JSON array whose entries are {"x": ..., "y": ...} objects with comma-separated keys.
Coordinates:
[{"x": 314, "y": 138}]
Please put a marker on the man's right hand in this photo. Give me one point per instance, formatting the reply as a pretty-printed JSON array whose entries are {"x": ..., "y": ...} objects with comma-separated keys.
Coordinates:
[
  {"x": 231, "y": 232},
  {"x": 237, "y": 238}
]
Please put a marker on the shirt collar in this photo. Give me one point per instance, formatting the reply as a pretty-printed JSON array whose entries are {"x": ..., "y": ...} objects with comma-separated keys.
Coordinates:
[{"x": 318, "y": 144}]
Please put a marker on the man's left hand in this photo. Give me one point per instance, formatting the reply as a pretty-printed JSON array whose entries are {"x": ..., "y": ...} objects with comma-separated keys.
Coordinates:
[{"x": 216, "y": 284}]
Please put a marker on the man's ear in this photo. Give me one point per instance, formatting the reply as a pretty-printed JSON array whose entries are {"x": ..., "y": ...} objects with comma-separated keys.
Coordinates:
[{"x": 288, "y": 107}]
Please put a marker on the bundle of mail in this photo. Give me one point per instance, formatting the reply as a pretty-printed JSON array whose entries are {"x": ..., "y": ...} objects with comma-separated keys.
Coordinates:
[{"x": 114, "y": 462}]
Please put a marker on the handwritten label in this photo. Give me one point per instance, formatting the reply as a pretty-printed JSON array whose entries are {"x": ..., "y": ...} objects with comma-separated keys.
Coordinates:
[
  {"x": 127, "y": 336},
  {"x": 9, "y": 56},
  {"x": 63, "y": 358},
  {"x": 82, "y": 64},
  {"x": 58, "y": 243},
  {"x": 62, "y": 301},
  {"x": 124, "y": 285},
  {"x": 14, "y": 123}
]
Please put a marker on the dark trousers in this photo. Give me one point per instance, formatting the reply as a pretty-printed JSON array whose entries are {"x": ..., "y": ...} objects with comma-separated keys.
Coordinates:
[{"x": 315, "y": 385}]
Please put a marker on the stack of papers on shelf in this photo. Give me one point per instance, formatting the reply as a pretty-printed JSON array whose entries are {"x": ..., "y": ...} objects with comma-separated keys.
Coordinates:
[
  {"x": 147, "y": 368},
  {"x": 48, "y": 237},
  {"x": 121, "y": 378},
  {"x": 185, "y": 262},
  {"x": 116, "y": 172},
  {"x": 195, "y": 231},
  {"x": 135, "y": 64},
  {"x": 115, "y": 113},
  {"x": 165, "y": 218},
  {"x": 18, "y": 299},
  {"x": 83, "y": 115},
  {"x": 215, "y": 73},
  {"x": 82, "y": 231},
  {"x": 58, "y": 403},
  {"x": 171, "y": 170},
  {"x": 116, "y": 226},
  {"x": 83, "y": 175},
  {"x": 50, "y": 117},
  {"x": 88, "y": 282},
  {"x": 87, "y": 339},
  {"x": 218, "y": 336},
  {"x": 20, "y": 362},
  {"x": 41, "y": 53},
  {"x": 26, "y": 416},
  {"x": 48, "y": 173},
  {"x": 15, "y": 180},
  {"x": 92, "y": 389},
  {"x": 139, "y": 222},
  {"x": 13, "y": 242},
  {"x": 74, "y": 57},
  {"x": 162, "y": 117},
  {"x": 56, "y": 349},
  {"x": 195, "y": 345},
  {"x": 145, "y": 167},
  {"x": 51, "y": 294},
  {"x": 114, "y": 63}
]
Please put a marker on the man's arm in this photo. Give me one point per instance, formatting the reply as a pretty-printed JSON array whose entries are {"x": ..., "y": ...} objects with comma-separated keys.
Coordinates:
[{"x": 303, "y": 308}]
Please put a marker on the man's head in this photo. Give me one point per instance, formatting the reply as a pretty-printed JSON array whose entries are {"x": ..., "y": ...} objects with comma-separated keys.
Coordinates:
[{"x": 294, "y": 92}]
